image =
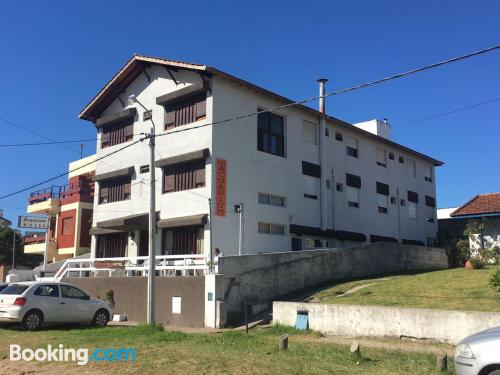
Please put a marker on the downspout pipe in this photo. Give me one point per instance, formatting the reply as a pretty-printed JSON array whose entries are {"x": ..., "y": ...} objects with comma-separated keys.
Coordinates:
[{"x": 322, "y": 154}]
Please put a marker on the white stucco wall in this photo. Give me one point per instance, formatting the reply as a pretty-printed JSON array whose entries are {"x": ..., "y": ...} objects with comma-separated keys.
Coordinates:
[{"x": 251, "y": 171}]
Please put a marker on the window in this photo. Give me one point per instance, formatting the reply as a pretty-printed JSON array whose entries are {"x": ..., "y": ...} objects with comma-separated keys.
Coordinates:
[
  {"x": 68, "y": 225},
  {"x": 183, "y": 240},
  {"x": 114, "y": 190},
  {"x": 412, "y": 210},
  {"x": 393, "y": 200},
  {"x": 352, "y": 147},
  {"x": 327, "y": 131},
  {"x": 352, "y": 197},
  {"x": 184, "y": 176},
  {"x": 340, "y": 187},
  {"x": 381, "y": 158},
  {"x": 112, "y": 245},
  {"x": 271, "y": 133},
  {"x": 309, "y": 132},
  {"x": 403, "y": 202},
  {"x": 430, "y": 203},
  {"x": 382, "y": 203},
  {"x": 147, "y": 115},
  {"x": 338, "y": 136},
  {"x": 185, "y": 111},
  {"x": 401, "y": 159},
  {"x": 391, "y": 155},
  {"x": 272, "y": 200},
  {"x": 412, "y": 168},
  {"x": 144, "y": 169},
  {"x": 46, "y": 291},
  {"x": 72, "y": 292},
  {"x": 267, "y": 228},
  {"x": 428, "y": 174},
  {"x": 117, "y": 133},
  {"x": 311, "y": 187}
]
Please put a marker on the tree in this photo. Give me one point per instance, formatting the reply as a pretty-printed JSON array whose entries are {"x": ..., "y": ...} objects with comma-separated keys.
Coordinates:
[{"x": 6, "y": 237}]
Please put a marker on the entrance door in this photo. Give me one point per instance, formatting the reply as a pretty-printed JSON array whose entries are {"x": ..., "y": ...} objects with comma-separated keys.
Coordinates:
[{"x": 144, "y": 243}]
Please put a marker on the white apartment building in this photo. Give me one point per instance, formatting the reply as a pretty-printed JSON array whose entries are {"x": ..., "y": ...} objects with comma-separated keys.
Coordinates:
[{"x": 304, "y": 179}]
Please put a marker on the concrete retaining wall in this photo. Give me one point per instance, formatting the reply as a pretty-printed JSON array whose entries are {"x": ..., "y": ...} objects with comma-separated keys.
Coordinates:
[
  {"x": 448, "y": 326},
  {"x": 130, "y": 295},
  {"x": 265, "y": 277}
]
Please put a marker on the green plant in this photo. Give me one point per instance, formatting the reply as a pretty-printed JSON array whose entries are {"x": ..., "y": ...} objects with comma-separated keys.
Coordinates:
[
  {"x": 495, "y": 280},
  {"x": 109, "y": 296},
  {"x": 490, "y": 256},
  {"x": 477, "y": 263}
]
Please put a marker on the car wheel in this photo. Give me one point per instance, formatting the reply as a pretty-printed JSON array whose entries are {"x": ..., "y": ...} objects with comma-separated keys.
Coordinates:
[
  {"x": 101, "y": 318},
  {"x": 32, "y": 320},
  {"x": 494, "y": 372}
]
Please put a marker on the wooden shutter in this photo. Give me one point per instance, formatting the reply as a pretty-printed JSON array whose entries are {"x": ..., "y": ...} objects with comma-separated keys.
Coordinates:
[
  {"x": 200, "y": 174},
  {"x": 170, "y": 116},
  {"x": 353, "y": 180},
  {"x": 103, "y": 193},
  {"x": 382, "y": 188},
  {"x": 169, "y": 180},
  {"x": 126, "y": 190},
  {"x": 104, "y": 138},
  {"x": 201, "y": 107},
  {"x": 129, "y": 131},
  {"x": 412, "y": 196}
]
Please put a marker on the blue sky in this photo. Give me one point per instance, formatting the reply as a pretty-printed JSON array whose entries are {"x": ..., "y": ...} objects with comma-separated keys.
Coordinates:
[{"x": 56, "y": 55}]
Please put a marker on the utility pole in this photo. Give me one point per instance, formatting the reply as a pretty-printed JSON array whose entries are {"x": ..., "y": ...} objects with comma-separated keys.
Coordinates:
[
  {"x": 13, "y": 248},
  {"x": 46, "y": 253},
  {"x": 152, "y": 218}
]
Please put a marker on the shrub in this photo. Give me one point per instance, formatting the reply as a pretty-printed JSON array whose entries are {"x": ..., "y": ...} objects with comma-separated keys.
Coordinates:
[
  {"x": 495, "y": 281},
  {"x": 109, "y": 296},
  {"x": 490, "y": 256},
  {"x": 477, "y": 263}
]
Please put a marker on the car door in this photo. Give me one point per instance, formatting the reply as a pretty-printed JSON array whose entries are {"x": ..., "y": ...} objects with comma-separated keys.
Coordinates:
[
  {"x": 46, "y": 298},
  {"x": 76, "y": 306}
]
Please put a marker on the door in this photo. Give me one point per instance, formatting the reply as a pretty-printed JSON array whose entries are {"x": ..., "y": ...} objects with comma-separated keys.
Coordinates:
[
  {"x": 46, "y": 298},
  {"x": 75, "y": 306},
  {"x": 143, "y": 243}
]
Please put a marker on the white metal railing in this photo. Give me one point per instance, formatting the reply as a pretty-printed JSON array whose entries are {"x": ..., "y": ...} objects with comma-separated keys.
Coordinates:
[{"x": 166, "y": 265}]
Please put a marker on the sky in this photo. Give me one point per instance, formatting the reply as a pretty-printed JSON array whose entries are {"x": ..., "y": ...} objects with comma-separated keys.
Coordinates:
[{"x": 56, "y": 55}]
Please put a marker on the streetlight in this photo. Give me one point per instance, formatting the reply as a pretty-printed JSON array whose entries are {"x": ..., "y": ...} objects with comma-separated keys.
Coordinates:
[{"x": 152, "y": 217}]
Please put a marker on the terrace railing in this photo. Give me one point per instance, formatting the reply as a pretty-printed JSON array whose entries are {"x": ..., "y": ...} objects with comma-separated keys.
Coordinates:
[
  {"x": 166, "y": 265},
  {"x": 44, "y": 194}
]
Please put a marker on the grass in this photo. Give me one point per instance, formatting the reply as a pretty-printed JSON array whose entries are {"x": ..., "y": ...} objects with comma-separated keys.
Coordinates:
[
  {"x": 452, "y": 289},
  {"x": 230, "y": 352}
]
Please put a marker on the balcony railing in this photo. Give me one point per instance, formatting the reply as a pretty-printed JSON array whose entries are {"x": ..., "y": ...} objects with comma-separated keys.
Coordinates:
[
  {"x": 77, "y": 188},
  {"x": 44, "y": 194}
]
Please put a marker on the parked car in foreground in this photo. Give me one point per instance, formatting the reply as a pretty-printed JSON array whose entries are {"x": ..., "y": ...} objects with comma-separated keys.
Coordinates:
[
  {"x": 479, "y": 353},
  {"x": 3, "y": 286},
  {"x": 34, "y": 303}
]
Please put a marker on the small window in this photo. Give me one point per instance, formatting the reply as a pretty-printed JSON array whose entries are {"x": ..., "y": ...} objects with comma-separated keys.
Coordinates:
[
  {"x": 114, "y": 190},
  {"x": 185, "y": 176},
  {"x": 352, "y": 197},
  {"x": 352, "y": 147},
  {"x": 327, "y": 132},
  {"x": 144, "y": 169},
  {"x": 68, "y": 225},
  {"x": 403, "y": 202},
  {"x": 393, "y": 200},
  {"x": 340, "y": 187},
  {"x": 264, "y": 198},
  {"x": 381, "y": 158},
  {"x": 382, "y": 203},
  {"x": 311, "y": 187},
  {"x": 309, "y": 132},
  {"x": 267, "y": 228},
  {"x": 310, "y": 196},
  {"x": 328, "y": 184},
  {"x": 47, "y": 291},
  {"x": 401, "y": 159},
  {"x": 115, "y": 134},
  {"x": 428, "y": 174},
  {"x": 72, "y": 292},
  {"x": 146, "y": 115},
  {"x": 273, "y": 200},
  {"x": 264, "y": 228},
  {"x": 339, "y": 137},
  {"x": 391, "y": 155}
]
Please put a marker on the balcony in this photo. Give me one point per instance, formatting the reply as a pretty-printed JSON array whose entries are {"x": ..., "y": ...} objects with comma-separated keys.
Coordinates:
[
  {"x": 81, "y": 191},
  {"x": 45, "y": 201}
]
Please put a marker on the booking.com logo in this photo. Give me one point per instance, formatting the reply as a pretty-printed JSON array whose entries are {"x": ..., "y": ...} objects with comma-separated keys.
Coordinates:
[{"x": 80, "y": 356}]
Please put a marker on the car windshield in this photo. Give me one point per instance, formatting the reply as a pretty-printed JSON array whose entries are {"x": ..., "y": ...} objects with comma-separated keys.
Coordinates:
[{"x": 15, "y": 289}]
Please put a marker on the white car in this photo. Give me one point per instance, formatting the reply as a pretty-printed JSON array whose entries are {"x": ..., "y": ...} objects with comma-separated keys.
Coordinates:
[
  {"x": 479, "y": 353},
  {"x": 35, "y": 303}
]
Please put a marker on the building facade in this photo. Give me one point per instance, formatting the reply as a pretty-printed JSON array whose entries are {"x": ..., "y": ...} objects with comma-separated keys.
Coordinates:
[
  {"x": 69, "y": 208},
  {"x": 482, "y": 215},
  {"x": 291, "y": 178}
]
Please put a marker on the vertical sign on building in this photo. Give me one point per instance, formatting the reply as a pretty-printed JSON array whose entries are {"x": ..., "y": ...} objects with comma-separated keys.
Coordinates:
[{"x": 220, "y": 187}]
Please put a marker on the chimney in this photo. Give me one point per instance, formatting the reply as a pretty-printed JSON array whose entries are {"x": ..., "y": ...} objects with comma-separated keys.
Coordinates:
[{"x": 322, "y": 82}]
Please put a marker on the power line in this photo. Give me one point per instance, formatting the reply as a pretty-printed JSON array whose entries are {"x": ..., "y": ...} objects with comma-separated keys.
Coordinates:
[
  {"x": 353, "y": 88},
  {"x": 47, "y": 143},
  {"x": 446, "y": 113},
  {"x": 68, "y": 172}
]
